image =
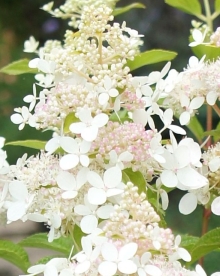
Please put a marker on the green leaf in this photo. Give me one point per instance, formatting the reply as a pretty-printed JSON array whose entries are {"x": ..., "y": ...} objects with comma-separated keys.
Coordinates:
[
  {"x": 127, "y": 8},
  {"x": 70, "y": 118},
  {"x": 206, "y": 244},
  {"x": 188, "y": 242},
  {"x": 137, "y": 179},
  {"x": 18, "y": 67},
  {"x": 214, "y": 132},
  {"x": 40, "y": 240},
  {"x": 150, "y": 57},
  {"x": 77, "y": 235},
  {"x": 34, "y": 144},
  {"x": 14, "y": 254},
  {"x": 122, "y": 116},
  {"x": 188, "y": 6},
  {"x": 196, "y": 128},
  {"x": 211, "y": 52},
  {"x": 217, "y": 6}
]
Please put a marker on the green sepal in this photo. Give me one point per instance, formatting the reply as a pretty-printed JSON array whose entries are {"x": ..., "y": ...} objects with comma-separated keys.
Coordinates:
[
  {"x": 136, "y": 178},
  {"x": 120, "y": 10},
  {"x": 40, "y": 240},
  {"x": 206, "y": 244},
  {"x": 33, "y": 144},
  {"x": 188, "y": 6},
  {"x": 150, "y": 57},
  {"x": 196, "y": 128},
  {"x": 18, "y": 67},
  {"x": 14, "y": 254},
  {"x": 70, "y": 118}
]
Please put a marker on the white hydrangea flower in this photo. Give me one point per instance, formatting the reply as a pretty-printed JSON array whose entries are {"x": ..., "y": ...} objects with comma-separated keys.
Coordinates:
[
  {"x": 30, "y": 46},
  {"x": 22, "y": 117}
]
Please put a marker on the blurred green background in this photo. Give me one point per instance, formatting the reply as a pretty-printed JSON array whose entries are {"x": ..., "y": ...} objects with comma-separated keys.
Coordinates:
[{"x": 163, "y": 27}]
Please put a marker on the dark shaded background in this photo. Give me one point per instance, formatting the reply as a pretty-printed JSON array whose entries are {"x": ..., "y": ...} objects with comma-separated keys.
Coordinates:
[{"x": 163, "y": 27}]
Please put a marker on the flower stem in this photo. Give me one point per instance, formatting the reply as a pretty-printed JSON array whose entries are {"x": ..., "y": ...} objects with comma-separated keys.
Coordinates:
[{"x": 208, "y": 15}]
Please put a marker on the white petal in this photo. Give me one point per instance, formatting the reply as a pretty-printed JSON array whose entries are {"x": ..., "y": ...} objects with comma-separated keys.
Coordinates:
[
  {"x": 82, "y": 210},
  {"x": 191, "y": 178},
  {"x": 104, "y": 211},
  {"x": 100, "y": 120},
  {"x": 33, "y": 63},
  {"x": 66, "y": 181},
  {"x": 82, "y": 267},
  {"x": 184, "y": 118},
  {"x": 16, "y": 118},
  {"x": 69, "y": 194},
  {"x": 211, "y": 97},
  {"x": 113, "y": 92},
  {"x": 88, "y": 224},
  {"x": 69, "y": 161},
  {"x": 16, "y": 211},
  {"x": 18, "y": 190},
  {"x": 177, "y": 129},
  {"x": 103, "y": 98},
  {"x": 50, "y": 270},
  {"x": 127, "y": 267},
  {"x": 169, "y": 179},
  {"x": 109, "y": 252},
  {"x": 184, "y": 254},
  {"x": 96, "y": 196},
  {"x": 188, "y": 204},
  {"x": 112, "y": 177},
  {"x": 128, "y": 251},
  {"x": 69, "y": 144},
  {"x": 214, "y": 164},
  {"x": 77, "y": 127},
  {"x": 35, "y": 269},
  {"x": 196, "y": 102},
  {"x": 139, "y": 116},
  {"x": 215, "y": 207},
  {"x": 53, "y": 144},
  {"x": 126, "y": 156},
  {"x": 89, "y": 133},
  {"x": 81, "y": 177},
  {"x": 200, "y": 270},
  {"x": 107, "y": 268},
  {"x": 84, "y": 160},
  {"x": 95, "y": 180},
  {"x": 164, "y": 199},
  {"x": 153, "y": 270}
]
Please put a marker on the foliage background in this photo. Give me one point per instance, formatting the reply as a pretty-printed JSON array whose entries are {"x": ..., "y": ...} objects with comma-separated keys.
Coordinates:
[{"x": 162, "y": 26}]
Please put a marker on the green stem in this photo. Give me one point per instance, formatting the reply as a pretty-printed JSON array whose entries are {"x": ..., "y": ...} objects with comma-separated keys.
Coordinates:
[{"x": 208, "y": 15}]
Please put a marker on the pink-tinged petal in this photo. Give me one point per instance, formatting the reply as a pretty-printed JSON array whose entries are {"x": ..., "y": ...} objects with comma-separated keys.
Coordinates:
[
  {"x": 169, "y": 179},
  {"x": 112, "y": 177},
  {"x": 84, "y": 160},
  {"x": 69, "y": 194},
  {"x": 96, "y": 196},
  {"x": 89, "y": 133},
  {"x": 153, "y": 270},
  {"x": 127, "y": 267},
  {"x": 66, "y": 181},
  {"x": 127, "y": 251},
  {"x": 85, "y": 115},
  {"x": 16, "y": 211},
  {"x": 100, "y": 120},
  {"x": 69, "y": 161},
  {"x": 184, "y": 254},
  {"x": 215, "y": 207},
  {"x": 184, "y": 118},
  {"x": 69, "y": 144},
  {"x": 104, "y": 211},
  {"x": 107, "y": 268},
  {"x": 103, "y": 98},
  {"x": 77, "y": 127},
  {"x": 139, "y": 116},
  {"x": 88, "y": 224},
  {"x": 95, "y": 180},
  {"x": 18, "y": 190},
  {"x": 16, "y": 119},
  {"x": 82, "y": 210},
  {"x": 188, "y": 204},
  {"x": 82, "y": 267},
  {"x": 109, "y": 252}
]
